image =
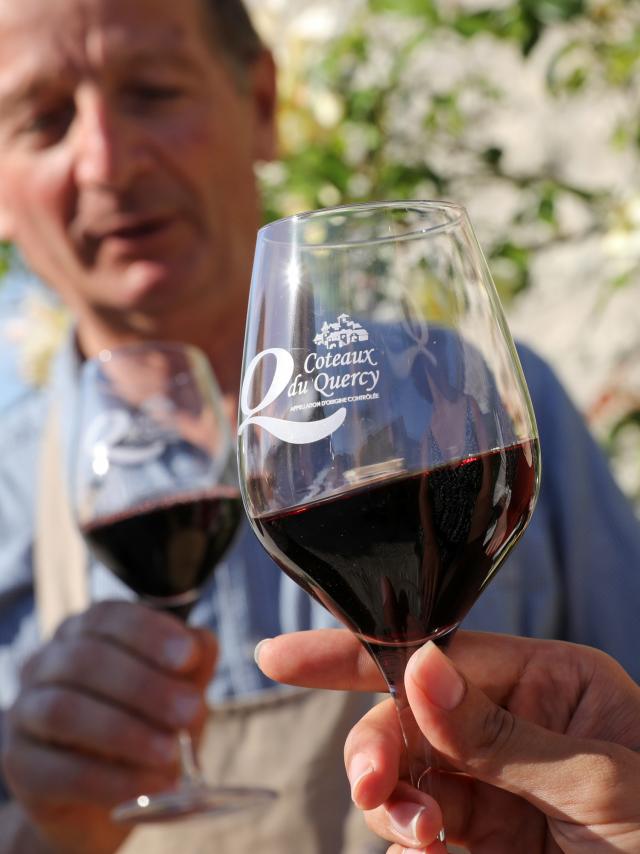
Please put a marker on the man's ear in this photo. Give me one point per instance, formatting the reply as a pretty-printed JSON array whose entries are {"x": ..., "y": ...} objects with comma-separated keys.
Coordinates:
[{"x": 262, "y": 81}]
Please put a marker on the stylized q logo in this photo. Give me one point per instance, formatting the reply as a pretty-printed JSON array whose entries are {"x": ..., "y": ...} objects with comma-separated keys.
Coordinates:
[{"x": 294, "y": 432}]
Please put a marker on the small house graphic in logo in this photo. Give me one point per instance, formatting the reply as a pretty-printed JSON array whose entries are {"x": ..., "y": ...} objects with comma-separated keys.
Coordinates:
[{"x": 341, "y": 333}]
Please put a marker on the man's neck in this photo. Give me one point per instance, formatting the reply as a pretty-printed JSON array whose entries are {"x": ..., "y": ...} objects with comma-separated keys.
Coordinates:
[
  {"x": 223, "y": 345},
  {"x": 221, "y": 341}
]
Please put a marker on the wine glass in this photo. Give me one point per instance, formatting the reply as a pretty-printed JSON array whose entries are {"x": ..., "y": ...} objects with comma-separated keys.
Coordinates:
[
  {"x": 388, "y": 451},
  {"x": 157, "y": 500}
]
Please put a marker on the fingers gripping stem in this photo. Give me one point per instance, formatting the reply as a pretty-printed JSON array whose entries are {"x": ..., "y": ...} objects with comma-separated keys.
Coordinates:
[{"x": 422, "y": 761}]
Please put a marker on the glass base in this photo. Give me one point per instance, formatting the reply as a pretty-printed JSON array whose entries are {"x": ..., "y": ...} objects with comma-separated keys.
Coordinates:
[{"x": 187, "y": 800}]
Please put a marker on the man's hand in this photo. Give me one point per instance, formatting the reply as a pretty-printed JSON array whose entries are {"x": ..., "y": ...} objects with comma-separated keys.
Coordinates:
[
  {"x": 96, "y": 720},
  {"x": 545, "y": 734}
]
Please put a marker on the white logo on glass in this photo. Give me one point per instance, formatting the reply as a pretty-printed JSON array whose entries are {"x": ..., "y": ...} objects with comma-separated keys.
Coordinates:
[
  {"x": 341, "y": 333},
  {"x": 323, "y": 380},
  {"x": 294, "y": 432}
]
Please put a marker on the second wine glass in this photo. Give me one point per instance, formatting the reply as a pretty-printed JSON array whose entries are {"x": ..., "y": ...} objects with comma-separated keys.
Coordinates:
[
  {"x": 156, "y": 497},
  {"x": 388, "y": 450}
]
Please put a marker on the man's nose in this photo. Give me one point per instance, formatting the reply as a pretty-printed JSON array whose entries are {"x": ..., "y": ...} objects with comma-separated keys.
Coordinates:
[{"x": 108, "y": 150}]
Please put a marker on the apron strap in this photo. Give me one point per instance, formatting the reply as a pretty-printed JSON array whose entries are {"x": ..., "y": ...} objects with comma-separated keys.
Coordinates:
[{"x": 60, "y": 556}]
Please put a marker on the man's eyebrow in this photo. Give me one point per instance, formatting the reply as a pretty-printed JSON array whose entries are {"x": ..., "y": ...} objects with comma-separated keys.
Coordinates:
[
  {"x": 169, "y": 59},
  {"x": 27, "y": 93},
  {"x": 32, "y": 89}
]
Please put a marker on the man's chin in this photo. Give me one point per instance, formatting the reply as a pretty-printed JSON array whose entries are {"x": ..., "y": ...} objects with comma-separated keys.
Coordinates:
[
  {"x": 150, "y": 285},
  {"x": 173, "y": 295}
]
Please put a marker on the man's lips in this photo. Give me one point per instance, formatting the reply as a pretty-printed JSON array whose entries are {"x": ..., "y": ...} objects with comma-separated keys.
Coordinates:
[
  {"x": 122, "y": 236},
  {"x": 127, "y": 229}
]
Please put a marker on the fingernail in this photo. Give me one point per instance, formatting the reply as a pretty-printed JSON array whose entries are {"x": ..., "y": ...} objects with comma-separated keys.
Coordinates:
[
  {"x": 165, "y": 749},
  {"x": 443, "y": 685},
  {"x": 186, "y": 708},
  {"x": 256, "y": 651},
  {"x": 359, "y": 768},
  {"x": 178, "y": 651},
  {"x": 404, "y": 818}
]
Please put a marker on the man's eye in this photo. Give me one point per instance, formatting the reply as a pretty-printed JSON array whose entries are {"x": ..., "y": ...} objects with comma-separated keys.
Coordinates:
[
  {"x": 49, "y": 123},
  {"x": 154, "y": 92}
]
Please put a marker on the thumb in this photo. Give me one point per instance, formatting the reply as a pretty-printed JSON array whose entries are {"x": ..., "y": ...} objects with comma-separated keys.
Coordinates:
[{"x": 492, "y": 745}]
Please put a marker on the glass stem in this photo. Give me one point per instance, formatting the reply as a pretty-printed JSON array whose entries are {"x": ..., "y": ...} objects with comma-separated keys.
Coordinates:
[
  {"x": 190, "y": 774},
  {"x": 422, "y": 760}
]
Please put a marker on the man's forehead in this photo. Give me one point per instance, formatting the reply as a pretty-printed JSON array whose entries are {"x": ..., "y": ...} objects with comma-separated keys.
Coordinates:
[{"x": 91, "y": 31}]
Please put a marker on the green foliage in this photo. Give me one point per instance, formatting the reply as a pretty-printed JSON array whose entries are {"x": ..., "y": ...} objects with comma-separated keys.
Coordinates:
[
  {"x": 420, "y": 9},
  {"x": 522, "y": 22},
  {"x": 5, "y": 257},
  {"x": 366, "y": 152}
]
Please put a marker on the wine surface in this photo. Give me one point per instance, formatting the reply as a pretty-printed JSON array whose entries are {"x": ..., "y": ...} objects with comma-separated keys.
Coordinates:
[
  {"x": 167, "y": 549},
  {"x": 404, "y": 558}
]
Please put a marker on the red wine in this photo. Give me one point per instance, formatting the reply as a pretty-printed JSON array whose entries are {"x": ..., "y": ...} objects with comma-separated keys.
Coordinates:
[
  {"x": 169, "y": 549},
  {"x": 403, "y": 558}
]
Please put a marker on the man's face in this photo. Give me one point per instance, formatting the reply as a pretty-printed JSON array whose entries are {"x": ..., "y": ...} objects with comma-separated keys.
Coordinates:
[{"x": 126, "y": 156}]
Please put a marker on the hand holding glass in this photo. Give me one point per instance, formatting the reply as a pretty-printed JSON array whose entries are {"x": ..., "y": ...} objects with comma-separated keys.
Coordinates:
[{"x": 157, "y": 500}]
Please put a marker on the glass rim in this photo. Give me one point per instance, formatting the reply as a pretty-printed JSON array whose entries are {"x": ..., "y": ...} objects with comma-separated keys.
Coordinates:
[
  {"x": 412, "y": 233},
  {"x": 137, "y": 349},
  {"x": 134, "y": 347}
]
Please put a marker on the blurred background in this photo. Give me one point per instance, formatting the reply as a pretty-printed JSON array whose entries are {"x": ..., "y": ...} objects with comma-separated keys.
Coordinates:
[{"x": 527, "y": 112}]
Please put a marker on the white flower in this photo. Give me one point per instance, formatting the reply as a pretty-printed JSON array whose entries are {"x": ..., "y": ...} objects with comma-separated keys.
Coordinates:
[
  {"x": 38, "y": 333},
  {"x": 622, "y": 242},
  {"x": 327, "y": 108}
]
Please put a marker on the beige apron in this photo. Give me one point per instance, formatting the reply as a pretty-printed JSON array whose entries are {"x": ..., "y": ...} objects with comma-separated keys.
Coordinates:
[{"x": 290, "y": 741}]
